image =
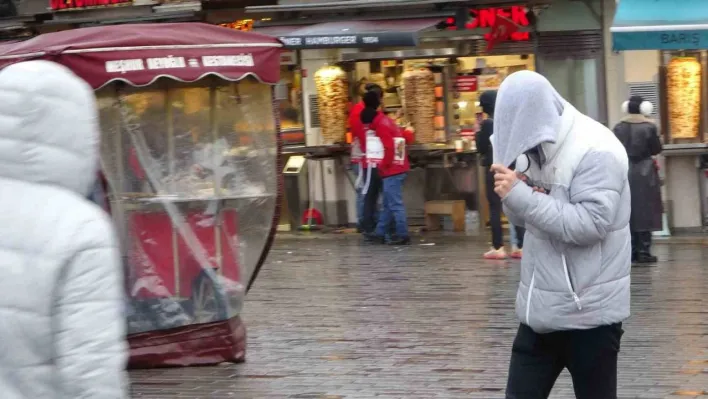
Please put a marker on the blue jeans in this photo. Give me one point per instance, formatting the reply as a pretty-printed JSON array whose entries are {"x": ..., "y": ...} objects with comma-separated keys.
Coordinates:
[
  {"x": 517, "y": 235},
  {"x": 512, "y": 234},
  {"x": 366, "y": 205},
  {"x": 393, "y": 208}
]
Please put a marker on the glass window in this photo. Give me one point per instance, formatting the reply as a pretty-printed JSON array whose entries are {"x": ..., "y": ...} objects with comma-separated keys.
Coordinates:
[
  {"x": 289, "y": 98},
  {"x": 579, "y": 81}
]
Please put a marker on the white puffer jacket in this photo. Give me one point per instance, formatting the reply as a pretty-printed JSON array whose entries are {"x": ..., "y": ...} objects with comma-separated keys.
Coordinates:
[
  {"x": 575, "y": 273},
  {"x": 62, "y": 328}
]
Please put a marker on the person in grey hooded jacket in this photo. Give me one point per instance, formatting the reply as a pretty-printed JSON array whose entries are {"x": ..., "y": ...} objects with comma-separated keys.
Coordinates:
[
  {"x": 62, "y": 324},
  {"x": 574, "y": 201}
]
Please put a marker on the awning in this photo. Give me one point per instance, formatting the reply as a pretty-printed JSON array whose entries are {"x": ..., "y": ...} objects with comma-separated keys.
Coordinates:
[
  {"x": 139, "y": 54},
  {"x": 660, "y": 25},
  {"x": 381, "y": 33}
]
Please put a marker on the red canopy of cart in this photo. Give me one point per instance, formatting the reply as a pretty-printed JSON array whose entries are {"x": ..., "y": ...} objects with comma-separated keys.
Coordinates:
[{"x": 139, "y": 54}]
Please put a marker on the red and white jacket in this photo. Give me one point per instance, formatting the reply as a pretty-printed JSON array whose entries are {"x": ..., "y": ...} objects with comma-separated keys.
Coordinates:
[
  {"x": 358, "y": 151},
  {"x": 394, "y": 141}
]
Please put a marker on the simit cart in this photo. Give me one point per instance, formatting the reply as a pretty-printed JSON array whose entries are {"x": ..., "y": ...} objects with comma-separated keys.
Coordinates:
[{"x": 189, "y": 151}]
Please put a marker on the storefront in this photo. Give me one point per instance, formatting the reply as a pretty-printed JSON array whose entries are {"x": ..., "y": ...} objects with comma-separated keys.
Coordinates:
[
  {"x": 432, "y": 64},
  {"x": 673, "y": 42},
  {"x": 19, "y": 19},
  {"x": 70, "y": 14}
]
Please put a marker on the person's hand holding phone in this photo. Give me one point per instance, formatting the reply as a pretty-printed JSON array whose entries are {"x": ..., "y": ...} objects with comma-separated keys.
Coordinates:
[
  {"x": 526, "y": 180},
  {"x": 504, "y": 179}
]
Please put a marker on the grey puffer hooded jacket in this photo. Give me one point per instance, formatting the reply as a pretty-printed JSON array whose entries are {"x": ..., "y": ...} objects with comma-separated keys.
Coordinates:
[
  {"x": 575, "y": 273},
  {"x": 62, "y": 325}
]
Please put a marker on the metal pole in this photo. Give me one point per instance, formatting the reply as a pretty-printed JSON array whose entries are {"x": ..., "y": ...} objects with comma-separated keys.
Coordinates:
[
  {"x": 213, "y": 115},
  {"x": 171, "y": 186}
]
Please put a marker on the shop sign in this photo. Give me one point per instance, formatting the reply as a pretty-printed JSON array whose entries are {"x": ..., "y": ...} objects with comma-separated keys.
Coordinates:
[
  {"x": 466, "y": 84},
  {"x": 677, "y": 40},
  {"x": 486, "y": 18},
  {"x": 245, "y": 25},
  {"x": 288, "y": 58},
  {"x": 468, "y": 133},
  {"x": 213, "y": 61},
  {"x": 384, "y": 39},
  {"x": 502, "y": 31},
  {"x": 57, "y": 5}
]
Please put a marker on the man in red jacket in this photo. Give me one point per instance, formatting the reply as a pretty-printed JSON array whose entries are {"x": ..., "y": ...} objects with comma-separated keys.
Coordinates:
[
  {"x": 366, "y": 204},
  {"x": 393, "y": 170}
]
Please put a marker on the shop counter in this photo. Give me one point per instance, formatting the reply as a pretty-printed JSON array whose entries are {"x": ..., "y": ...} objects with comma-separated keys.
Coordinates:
[{"x": 686, "y": 186}]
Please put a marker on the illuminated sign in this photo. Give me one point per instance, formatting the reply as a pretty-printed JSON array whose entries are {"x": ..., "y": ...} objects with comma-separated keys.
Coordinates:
[
  {"x": 487, "y": 18},
  {"x": 245, "y": 25},
  {"x": 57, "y": 5}
]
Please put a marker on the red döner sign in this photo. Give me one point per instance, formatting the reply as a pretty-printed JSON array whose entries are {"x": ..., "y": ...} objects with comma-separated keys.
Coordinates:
[
  {"x": 75, "y": 4},
  {"x": 487, "y": 18}
]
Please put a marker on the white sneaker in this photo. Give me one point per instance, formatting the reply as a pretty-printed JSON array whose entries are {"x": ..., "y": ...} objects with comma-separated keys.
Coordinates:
[
  {"x": 516, "y": 252},
  {"x": 496, "y": 254}
]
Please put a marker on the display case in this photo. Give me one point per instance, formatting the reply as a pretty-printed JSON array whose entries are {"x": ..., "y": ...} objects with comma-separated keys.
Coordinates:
[
  {"x": 415, "y": 92},
  {"x": 193, "y": 184},
  {"x": 684, "y": 111},
  {"x": 332, "y": 87}
]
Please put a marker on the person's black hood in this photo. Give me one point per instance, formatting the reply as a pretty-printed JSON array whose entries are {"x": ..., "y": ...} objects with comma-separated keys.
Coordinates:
[{"x": 487, "y": 100}]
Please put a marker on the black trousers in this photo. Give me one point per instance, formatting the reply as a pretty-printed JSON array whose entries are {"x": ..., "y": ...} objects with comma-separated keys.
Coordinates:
[
  {"x": 641, "y": 243},
  {"x": 589, "y": 355},
  {"x": 371, "y": 199},
  {"x": 495, "y": 212},
  {"x": 520, "y": 231}
]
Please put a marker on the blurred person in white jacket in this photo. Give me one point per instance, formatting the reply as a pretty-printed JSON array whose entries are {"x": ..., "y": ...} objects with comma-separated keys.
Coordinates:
[{"x": 62, "y": 327}]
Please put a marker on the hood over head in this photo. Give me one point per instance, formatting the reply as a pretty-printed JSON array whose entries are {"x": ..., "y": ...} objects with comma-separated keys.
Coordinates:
[
  {"x": 48, "y": 126},
  {"x": 527, "y": 113},
  {"x": 487, "y": 100}
]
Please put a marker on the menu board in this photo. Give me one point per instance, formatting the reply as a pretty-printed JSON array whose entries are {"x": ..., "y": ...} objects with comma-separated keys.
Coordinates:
[
  {"x": 489, "y": 82},
  {"x": 466, "y": 84}
]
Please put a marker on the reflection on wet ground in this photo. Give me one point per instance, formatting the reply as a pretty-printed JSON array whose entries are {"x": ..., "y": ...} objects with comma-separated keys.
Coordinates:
[{"x": 331, "y": 318}]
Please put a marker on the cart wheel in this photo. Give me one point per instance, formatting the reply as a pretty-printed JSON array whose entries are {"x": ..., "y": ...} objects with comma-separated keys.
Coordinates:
[{"x": 208, "y": 300}]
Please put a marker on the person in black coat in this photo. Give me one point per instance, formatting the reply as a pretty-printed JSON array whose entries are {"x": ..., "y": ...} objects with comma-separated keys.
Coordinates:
[
  {"x": 484, "y": 148},
  {"x": 640, "y": 138}
]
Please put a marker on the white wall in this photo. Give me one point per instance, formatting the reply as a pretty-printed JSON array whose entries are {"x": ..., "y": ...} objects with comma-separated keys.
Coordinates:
[
  {"x": 623, "y": 68},
  {"x": 614, "y": 68},
  {"x": 641, "y": 66}
]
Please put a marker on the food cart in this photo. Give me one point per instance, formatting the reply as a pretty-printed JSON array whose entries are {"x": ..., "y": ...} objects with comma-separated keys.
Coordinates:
[{"x": 189, "y": 150}]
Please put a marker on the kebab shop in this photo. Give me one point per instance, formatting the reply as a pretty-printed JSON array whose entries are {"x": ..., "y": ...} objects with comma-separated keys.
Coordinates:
[{"x": 432, "y": 71}]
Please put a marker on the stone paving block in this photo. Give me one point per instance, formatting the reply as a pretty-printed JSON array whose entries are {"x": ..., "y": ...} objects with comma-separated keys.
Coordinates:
[{"x": 330, "y": 318}]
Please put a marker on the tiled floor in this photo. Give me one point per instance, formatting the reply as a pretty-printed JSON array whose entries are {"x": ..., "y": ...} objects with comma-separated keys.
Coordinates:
[{"x": 332, "y": 318}]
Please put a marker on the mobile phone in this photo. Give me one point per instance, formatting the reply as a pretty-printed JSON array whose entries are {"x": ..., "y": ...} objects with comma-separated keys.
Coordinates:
[{"x": 532, "y": 183}]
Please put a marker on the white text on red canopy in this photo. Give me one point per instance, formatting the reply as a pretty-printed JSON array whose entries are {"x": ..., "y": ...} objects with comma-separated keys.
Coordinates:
[{"x": 170, "y": 62}]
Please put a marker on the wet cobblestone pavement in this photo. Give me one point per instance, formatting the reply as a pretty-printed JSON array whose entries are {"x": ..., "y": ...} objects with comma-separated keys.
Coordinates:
[{"x": 330, "y": 318}]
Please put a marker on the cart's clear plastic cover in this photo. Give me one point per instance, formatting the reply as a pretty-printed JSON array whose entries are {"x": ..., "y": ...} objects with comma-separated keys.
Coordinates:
[{"x": 192, "y": 186}]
